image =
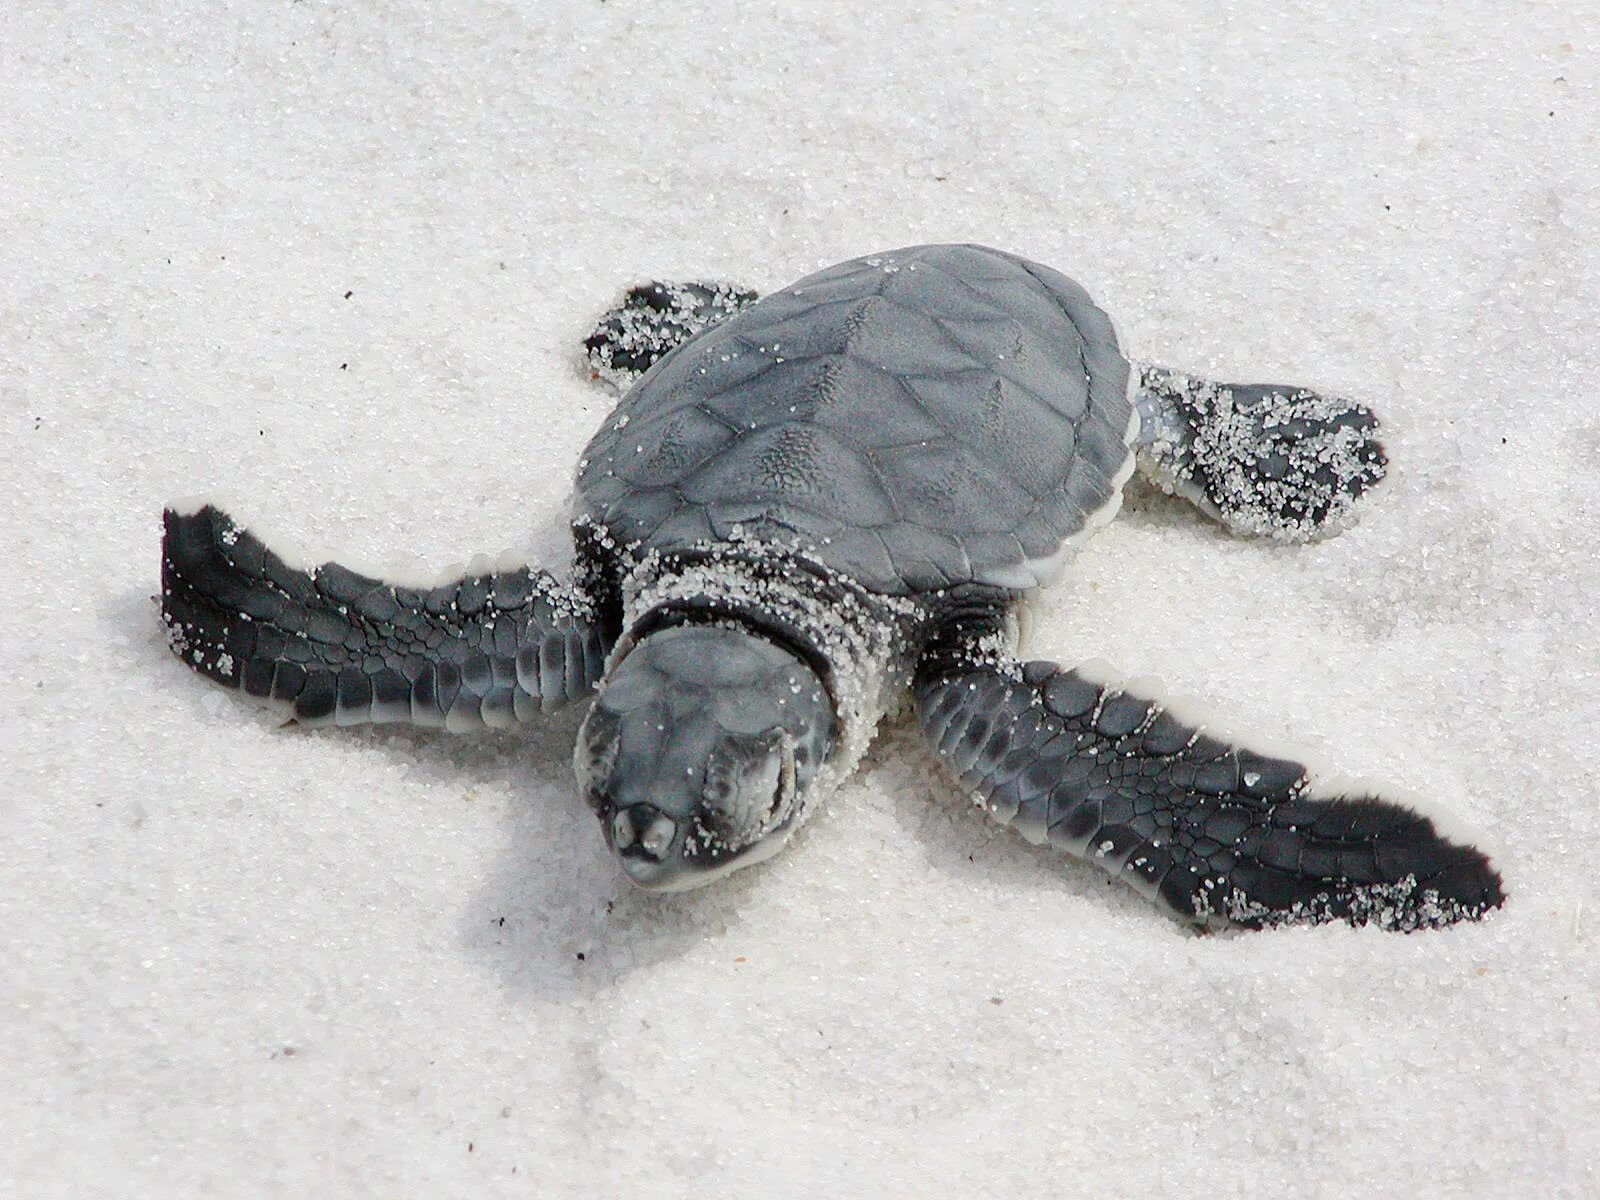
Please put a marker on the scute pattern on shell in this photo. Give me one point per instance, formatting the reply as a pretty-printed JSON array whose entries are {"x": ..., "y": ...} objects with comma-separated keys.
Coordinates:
[{"x": 917, "y": 419}]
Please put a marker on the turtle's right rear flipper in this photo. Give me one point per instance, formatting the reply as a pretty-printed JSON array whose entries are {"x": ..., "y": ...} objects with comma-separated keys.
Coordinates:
[
  {"x": 653, "y": 320},
  {"x": 489, "y": 648},
  {"x": 1215, "y": 832}
]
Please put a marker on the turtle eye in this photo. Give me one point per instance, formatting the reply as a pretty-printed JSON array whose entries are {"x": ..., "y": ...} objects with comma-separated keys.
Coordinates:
[
  {"x": 742, "y": 772},
  {"x": 720, "y": 794},
  {"x": 783, "y": 790},
  {"x": 596, "y": 751}
]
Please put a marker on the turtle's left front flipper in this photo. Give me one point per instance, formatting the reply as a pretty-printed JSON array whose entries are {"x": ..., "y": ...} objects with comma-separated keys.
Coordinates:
[
  {"x": 1213, "y": 831},
  {"x": 490, "y": 648}
]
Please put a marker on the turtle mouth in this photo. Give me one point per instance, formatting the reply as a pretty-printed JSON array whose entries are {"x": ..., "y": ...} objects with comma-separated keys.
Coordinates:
[
  {"x": 654, "y": 868},
  {"x": 683, "y": 875},
  {"x": 644, "y": 841}
]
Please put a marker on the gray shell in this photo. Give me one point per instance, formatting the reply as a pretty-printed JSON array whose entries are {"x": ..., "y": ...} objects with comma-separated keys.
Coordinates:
[{"x": 916, "y": 419}]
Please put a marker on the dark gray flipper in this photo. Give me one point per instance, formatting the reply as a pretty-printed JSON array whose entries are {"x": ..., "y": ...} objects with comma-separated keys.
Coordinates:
[
  {"x": 490, "y": 648},
  {"x": 653, "y": 319},
  {"x": 1264, "y": 459},
  {"x": 1214, "y": 832}
]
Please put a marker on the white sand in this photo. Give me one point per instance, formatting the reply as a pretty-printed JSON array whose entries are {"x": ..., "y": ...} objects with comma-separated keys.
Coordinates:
[{"x": 246, "y": 961}]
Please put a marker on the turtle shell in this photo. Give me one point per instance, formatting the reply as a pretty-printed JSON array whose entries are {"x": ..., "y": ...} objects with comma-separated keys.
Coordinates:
[{"x": 916, "y": 419}]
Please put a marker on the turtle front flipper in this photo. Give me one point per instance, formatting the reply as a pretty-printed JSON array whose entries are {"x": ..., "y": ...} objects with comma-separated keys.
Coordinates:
[
  {"x": 1216, "y": 833},
  {"x": 1267, "y": 460},
  {"x": 490, "y": 648},
  {"x": 654, "y": 319}
]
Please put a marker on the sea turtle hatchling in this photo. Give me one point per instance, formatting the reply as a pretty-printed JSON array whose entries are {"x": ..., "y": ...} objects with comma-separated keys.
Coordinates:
[{"x": 809, "y": 507}]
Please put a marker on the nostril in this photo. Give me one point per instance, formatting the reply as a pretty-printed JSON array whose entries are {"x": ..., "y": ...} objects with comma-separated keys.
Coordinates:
[
  {"x": 642, "y": 831},
  {"x": 658, "y": 836},
  {"x": 622, "y": 831}
]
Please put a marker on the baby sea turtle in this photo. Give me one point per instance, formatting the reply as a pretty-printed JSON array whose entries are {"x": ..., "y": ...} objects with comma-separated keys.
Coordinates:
[{"x": 809, "y": 507}]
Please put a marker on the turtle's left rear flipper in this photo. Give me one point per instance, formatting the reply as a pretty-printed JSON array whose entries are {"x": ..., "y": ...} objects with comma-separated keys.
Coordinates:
[
  {"x": 1266, "y": 460},
  {"x": 489, "y": 648},
  {"x": 1214, "y": 832}
]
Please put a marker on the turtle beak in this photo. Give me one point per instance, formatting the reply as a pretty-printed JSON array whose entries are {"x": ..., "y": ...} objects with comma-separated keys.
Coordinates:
[
  {"x": 643, "y": 838},
  {"x": 641, "y": 832}
]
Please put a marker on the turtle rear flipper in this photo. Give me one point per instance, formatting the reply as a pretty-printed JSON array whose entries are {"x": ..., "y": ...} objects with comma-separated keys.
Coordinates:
[
  {"x": 653, "y": 320},
  {"x": 489, "y": 648},
  {"x": 1216, "y": 833},
  {"x": 1266, "y": 460}
]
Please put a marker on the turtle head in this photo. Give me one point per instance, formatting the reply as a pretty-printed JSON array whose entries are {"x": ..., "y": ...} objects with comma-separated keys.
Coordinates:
[{"x": 698, "y": 752}]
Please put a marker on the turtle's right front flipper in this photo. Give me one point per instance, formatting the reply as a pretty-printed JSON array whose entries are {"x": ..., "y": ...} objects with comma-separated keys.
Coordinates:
[
  {"x": 1216, "y": 833},
  {"x": 490, "y": 648}
]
